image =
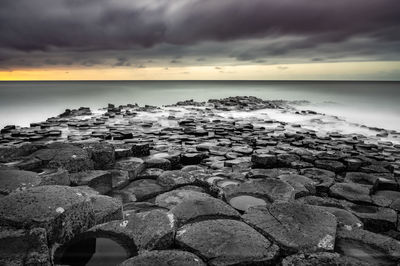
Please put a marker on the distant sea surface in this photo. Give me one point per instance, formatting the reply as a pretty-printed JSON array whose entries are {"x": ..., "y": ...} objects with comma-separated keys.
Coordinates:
[{"x": 375, "y": 104}]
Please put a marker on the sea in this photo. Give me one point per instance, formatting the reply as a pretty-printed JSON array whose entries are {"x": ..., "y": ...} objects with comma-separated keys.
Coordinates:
[{"x": 370, "y": 103}]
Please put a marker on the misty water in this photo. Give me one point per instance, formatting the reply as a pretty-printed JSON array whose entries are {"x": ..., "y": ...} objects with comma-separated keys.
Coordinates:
[{"x": 373, "y": 104}]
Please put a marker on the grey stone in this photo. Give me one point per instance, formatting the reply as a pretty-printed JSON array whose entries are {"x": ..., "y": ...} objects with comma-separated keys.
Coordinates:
[
  {"x": 226, "y": 242},
  {"x": 17, "y": 180},
  {"x": 294, "y": 226},
  {"x": 201, "y": 209},
  {"x": 99, "y": 180},
  {"x": 164, "y": 258},
  {"x": 149, "y": 230},
  {"x": 62, "y": 211}
]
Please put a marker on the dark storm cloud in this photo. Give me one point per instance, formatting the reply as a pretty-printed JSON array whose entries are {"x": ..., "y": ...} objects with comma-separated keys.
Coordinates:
[{"x": 86, "y": 32}]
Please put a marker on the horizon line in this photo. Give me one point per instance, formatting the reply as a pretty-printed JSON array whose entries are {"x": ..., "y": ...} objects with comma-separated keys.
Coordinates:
[{"x": 205, "y": 80}]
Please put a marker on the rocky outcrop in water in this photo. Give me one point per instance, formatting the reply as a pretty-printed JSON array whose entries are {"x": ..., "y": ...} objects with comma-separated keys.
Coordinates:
[{"x": 199, "y": 183}]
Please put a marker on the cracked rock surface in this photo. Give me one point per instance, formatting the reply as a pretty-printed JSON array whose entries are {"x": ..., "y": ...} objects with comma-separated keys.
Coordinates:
[{"x": 234, "y": 181}]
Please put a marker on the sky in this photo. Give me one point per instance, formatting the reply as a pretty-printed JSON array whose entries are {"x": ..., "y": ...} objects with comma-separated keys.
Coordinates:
[{"x": 200, "y": 39}]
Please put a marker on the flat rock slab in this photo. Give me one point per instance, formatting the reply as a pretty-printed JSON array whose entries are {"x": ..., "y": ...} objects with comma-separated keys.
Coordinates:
[
  {"x": 149, "y": 230},
  {"x": 102, "y": 154},
  {"x": 160, "y": 163},
  {"x": 164, "y": 258},
  {"x": 55, "y": 177},
  {"x": 324, "y": 178},
  {"x": 344, "y": 218},
  {"x": 330, "y": 165},
  {"x": 264, "y": 160},
  {"x": 360, "y": 178},
  {"x": 67, "y": 156},
  {"x": 176, "y": 178},
  {"x": 144, "y": 189},
  {"x": 17, "y": 180},
  {"x": 294, "y": 226},
  {"x": 62, "y": 211},
  {"x": 303, "y": 186},
  {"x": 202, "y": 209},
  {"x": 106, "y": 209},
  {"x": 133, "y": 165},
  {"x": 120, "y": 178},
  {"x": 99, "y": 180},
  {"x": 367, "y": 246},
  {"x": 173, "y": 198},
  {"x": 271, "y": 189},
  {"x": 226, "y": 242},
  {"x": 385, "y": 198},
  {"x": 322, "y": 258},
  {"x": 351, "y": 192},
  {"x": 375, "y": 219}
]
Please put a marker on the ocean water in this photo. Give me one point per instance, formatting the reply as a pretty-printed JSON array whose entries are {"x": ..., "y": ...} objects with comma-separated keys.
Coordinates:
[{"x": 375, "y": 104}]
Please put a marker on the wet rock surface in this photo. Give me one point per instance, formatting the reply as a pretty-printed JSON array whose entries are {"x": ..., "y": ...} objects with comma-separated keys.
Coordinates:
[
  {"x": 294, "y": 226},
  {"x": 223, "y": 182},
  {"x": 165, "y": 258},
  {"x": 226, "y": 242}
]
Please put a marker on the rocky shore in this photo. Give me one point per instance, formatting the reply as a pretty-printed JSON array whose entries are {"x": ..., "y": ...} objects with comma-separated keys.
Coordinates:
[{"x": 221, "y": 182}]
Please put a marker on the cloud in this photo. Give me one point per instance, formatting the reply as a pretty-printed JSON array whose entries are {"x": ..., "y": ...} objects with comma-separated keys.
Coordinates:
[
  {"x": 89, "y": 32},
  {"x": 283, "y": 67}
]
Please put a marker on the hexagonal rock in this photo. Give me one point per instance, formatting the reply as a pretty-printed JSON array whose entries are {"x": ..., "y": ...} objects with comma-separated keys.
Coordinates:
[
  {"x": 367, "y": 246},
  {"x": 192, "y": 158},
  {"x": 294, "y": 226},
  {"x": 102, "y": 154},
  {"x": 353, "y": 164},
  {"x": 160, "y": 163},
  {"x": 360, "y": 178},
  {"x": 133, "y": 165},
  {"x": 239, "y": 163},
  {"x": 23, "y": 247},
  {"x": 352, "y": 192},
  {"x": 99, "y": 180},
  {"x": 323, "y": 201},
  {"x": 62, "y": 211},
  {"x": 120, "y": 178},
  {"x": 344, "y": 217},
  {"x": 324, "y": 178},
  {"x": 218, "y": 150},
  {"x": 385, "y": 198},
  {"x": 164, "y": 258},
  {"x": 15, "y": 151},
  {"x": 17, "y": 180},
  {"x": 175, "y": 197},
  {"x": 322, "y": 258},
  {"x": 144, "y": 189},
  {"x": 331, "y": 165},
  {"x": 149, "y": 230},
  {"x": 140, "y": 149},
  {"x": 67, "y": 156},
  {"x": 246, "y": 150},
  {"x": 151, "y": 173},
  {"x": 375, "y": 219},
  {"x": 226, "y": 242},
  {"x": 271, "y": 189},
  {"x": 286, "y": 160},
  {"x": 206, "y": 208},
  {"x": 264, "y": 160},
  {"x": 302, "y": 185},
  {"x": 106, "y": 209},
  {"x": 262, "y": 173},
  {"x": 55, "y": 177},
  {"x": 176, "y": 178}
]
